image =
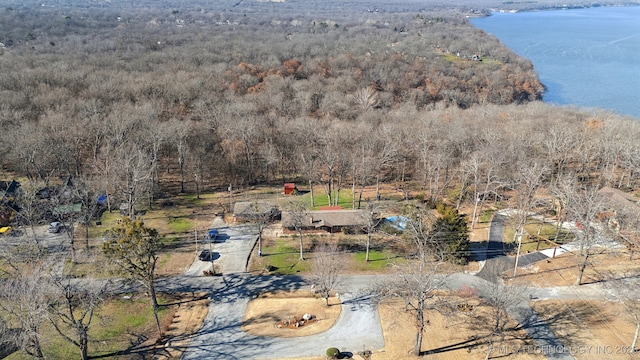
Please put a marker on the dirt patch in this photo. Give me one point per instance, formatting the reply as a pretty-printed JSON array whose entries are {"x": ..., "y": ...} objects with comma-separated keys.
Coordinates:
[
  {"x": 186, "y": 316},
  {"x": 456, "y": 336},
  {"x": 270, "y": 309},
  {"x": 590, "y": 329}
]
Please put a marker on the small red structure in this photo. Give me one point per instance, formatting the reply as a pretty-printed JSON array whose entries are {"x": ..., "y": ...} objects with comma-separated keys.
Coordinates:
[
  {"x": 324, "y": 208},
  {"x": 289, "y": 188}
]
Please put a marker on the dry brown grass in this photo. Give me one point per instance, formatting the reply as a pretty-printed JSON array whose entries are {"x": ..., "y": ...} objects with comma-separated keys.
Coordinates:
[
  {"x": 590, "y": 329},
  {"x": 458, "y": 336},
  {"x": 268, "y": 309},
  {"x": 563, "y": 270},
  {"x": 187, "y": 319}
]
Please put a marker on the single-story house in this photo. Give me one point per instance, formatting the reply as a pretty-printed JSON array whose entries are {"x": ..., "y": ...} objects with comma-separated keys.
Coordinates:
[
  {"x": 248, "y": 211},
  {"x": 619, "y": 205},
  {"x": 619, "y": 201},
  {"x": 326, "y": 220}
]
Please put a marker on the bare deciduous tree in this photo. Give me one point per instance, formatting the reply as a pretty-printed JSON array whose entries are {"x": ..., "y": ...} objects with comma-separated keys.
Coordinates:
[
  {"x": 326, "y": 268},
  {"x": 371, "y": 223},
  {"x": 297, "y": 212},
  {"x": 133, "y": 174},
  {"x": 416, "y": 284},
  {"x": 624, "y": 291},
  {"x": 501, "y": 299},
  {"x": 23, "y": 299},
  {"x": 72, "y": 309},
  {"x": 29, "y": 212},
  {"x": 419, "y": 230},
  {"x": 584, "y": 205}
]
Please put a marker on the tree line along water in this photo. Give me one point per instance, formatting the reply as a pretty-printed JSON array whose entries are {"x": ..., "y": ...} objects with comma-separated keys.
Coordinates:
[{"x": 584, "y": 57}]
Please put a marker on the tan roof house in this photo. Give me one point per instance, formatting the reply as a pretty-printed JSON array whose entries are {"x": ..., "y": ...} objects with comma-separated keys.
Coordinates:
[{"x": 326, "y": 220}]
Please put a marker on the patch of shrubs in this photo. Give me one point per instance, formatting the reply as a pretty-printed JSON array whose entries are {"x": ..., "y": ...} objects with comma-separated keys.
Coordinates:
[{"x": 333, "y": 353}]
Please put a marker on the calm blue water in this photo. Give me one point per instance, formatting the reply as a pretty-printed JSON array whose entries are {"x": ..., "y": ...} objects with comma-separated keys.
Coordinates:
[{"x": 585, "y": 57}]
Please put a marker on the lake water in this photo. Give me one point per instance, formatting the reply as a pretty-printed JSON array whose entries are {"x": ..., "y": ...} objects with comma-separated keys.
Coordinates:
[{"x": 585, "y": 57}]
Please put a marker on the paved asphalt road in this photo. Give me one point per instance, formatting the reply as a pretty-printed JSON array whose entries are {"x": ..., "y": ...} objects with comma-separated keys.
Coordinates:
[{"x": 231, "y": 250}]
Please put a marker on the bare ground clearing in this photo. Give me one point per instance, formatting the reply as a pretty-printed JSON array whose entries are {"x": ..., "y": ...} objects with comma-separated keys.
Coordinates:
[
  {"x": 264, "y": 312},
  {"x": 455, "y": 338},
  {"x": 563, "y": 270},
  {"x": 590, "y": 329},
  {"x": 187, "y": 320}
]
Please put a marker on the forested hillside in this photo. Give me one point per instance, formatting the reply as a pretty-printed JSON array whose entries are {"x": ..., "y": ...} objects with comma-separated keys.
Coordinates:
[{"x": 132, "y": 98}]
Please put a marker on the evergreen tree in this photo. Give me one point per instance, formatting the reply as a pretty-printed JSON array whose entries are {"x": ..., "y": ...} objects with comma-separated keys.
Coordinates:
[{"x": 452, "y": 234}]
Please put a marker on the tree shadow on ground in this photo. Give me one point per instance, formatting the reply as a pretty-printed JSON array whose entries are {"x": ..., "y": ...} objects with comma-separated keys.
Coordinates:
[
  {"x": 562, "y": 321},
  {"x": 220, "y": 339}
]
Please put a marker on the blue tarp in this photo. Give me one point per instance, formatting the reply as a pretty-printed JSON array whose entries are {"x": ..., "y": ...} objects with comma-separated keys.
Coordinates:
[
  {"x": 397, "y": 222},
  {"x": 102, "y": 200}
]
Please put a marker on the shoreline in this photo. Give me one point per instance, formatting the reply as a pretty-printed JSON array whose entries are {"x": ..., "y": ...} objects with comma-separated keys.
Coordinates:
[
  {"x": 486, "y": 12},
  {"x": 559, "y": 95}
]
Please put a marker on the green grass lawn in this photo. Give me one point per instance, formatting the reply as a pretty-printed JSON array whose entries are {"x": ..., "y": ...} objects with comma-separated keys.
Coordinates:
[
  {"x": 284, "y": 257},
  {"x": 320, "y": 199},
  {"x": 485, "y": 216},
  {"x": 530, "y": 242},
  {"x": 180, "y": 224},
  {"x": 118, "y": 324},
  {"x": 378, "y": 260}
]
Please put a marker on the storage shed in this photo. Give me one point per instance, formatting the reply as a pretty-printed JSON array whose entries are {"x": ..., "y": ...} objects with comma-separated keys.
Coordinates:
[{"x": 289, "y": 188}]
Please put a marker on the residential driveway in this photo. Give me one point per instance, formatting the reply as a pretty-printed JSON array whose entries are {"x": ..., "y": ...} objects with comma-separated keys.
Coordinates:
[
  {"x": 220, "y": 337},
  {"x": 231, "y": 250}
]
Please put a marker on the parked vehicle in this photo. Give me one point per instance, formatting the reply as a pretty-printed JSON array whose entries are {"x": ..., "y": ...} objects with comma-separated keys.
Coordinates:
[
  {"x": 212, "y": 235},
  {"x": 206, "y": 255},
  {"x": 55, "y": 227},
  {"x": 5, "y": 230}
]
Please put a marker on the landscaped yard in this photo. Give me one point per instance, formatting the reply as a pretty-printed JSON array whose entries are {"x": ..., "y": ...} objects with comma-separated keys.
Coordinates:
[
  {"x": 281, "y": 255},
  {"x": 269, "y": 309}
]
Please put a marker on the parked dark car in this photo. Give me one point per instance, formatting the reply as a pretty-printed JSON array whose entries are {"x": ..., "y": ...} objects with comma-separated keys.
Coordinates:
[{"x": 206, "y": 255}]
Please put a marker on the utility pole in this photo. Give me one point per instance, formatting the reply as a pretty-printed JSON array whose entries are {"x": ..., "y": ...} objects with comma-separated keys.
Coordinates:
[
  {"x": 475, "y": 210},
  {"x": 213, "y": 269},
  {"x": 515, "y": 267}
]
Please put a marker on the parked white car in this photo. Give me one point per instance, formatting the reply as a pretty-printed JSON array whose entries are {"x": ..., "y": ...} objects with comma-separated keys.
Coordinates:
[{"x": 55, "y": 227}]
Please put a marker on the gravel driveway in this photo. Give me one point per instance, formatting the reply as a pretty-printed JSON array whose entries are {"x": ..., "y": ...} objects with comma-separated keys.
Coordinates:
[
  {"x": 221, "y": 337},
  {"x": 231, "y": 248}
]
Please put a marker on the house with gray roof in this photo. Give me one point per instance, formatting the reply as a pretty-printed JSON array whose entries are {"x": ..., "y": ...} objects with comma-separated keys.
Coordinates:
[{"x": 327, "y": 220}]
